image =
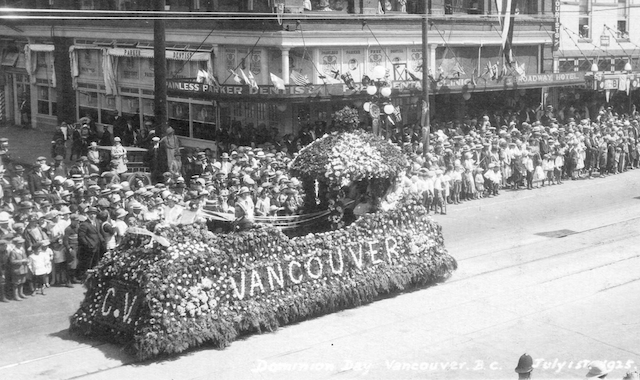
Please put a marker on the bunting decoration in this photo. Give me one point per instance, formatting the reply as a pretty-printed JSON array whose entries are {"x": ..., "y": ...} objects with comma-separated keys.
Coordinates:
[
  {"x": 507, "y": 14},
  {"x": 277, "y": 81}
]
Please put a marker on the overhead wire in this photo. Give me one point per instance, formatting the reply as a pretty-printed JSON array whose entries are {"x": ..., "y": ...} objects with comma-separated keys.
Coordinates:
[
  {"x": 245, "y": 58},
  {"x": 304, "y": 45},
  {"x": 364, "y": 23},
  {"x": 257, "y": 15},
  {"x": 192, "y": 53},
  {"x": 446, "y": 44}
]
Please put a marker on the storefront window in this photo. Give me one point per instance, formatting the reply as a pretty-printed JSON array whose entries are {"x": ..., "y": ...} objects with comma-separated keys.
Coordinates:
[
  {"x": 53, "y": 101},
  {"x": 147, "y": 107},
  {"x": 88, "y": 105},
  {"x": 43, "y": 100},
  {"x": 185, "y": 69},
  {"x": 130, "y": 106},
  {"x": 107, "y": 109},
  {"x": 204, "y": 121},
  {"x": 179, "y": 117},
  {"x": 584, "y": 65},
  {"x": 620, "y": 63},
  {"x": 566, "y": 65},
  {"x": 604, "y": 65}
]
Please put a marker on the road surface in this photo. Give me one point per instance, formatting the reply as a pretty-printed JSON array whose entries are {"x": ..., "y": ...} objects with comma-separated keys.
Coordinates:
[{"x": 552, "y": 272}]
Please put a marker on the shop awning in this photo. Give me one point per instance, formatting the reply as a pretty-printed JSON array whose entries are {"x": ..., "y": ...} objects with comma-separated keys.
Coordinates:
[{"x": 233, "y": 92}]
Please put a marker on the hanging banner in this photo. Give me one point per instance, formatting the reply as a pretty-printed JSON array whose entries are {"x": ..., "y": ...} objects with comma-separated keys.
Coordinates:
[
  {"x": 330, "y": 62},
  {"x": 85, "y": 60},
  {"x": 353, "y": 62},
  {"x": 230, "y": 59},
  {"x": 375, "y": 57},
  {"x": 30, "y": 51},
  {"x": 255, "y": 62},
  {"x": 398, "y": 57},
  {"x": 414, "y": 65}
]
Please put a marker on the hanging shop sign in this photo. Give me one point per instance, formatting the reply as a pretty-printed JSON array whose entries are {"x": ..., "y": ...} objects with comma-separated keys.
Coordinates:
[
  {"x": 399, "y": 88},
  {"x": 606, "y": 81},
  {"x": 556, "y": 25}
]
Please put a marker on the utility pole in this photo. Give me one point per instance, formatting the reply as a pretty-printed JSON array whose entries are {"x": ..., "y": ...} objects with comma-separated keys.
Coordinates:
[
  {"x": 425, "y": 119},
  {"x": 160, "y": 72}
]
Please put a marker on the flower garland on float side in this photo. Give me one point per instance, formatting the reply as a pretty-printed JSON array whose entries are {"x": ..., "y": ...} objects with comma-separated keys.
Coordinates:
[{"x": 213, "y": 288}]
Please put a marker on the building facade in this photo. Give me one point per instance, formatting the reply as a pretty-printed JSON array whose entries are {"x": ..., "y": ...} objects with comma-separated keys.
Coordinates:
[
  {"x": 597, "y": 38},
  {"x": 59, "y": 69}
]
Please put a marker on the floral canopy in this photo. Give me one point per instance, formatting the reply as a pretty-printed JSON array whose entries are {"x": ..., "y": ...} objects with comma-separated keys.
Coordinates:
[{"x": 349, "y": 156}]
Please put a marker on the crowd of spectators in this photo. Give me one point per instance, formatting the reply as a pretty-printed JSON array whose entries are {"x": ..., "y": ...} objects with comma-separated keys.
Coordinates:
[
  {"x": 58, "y": 220},
  {"x": 466, "y": 162}
]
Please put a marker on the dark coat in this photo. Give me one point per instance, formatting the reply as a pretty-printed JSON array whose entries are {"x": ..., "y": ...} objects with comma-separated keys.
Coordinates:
[{"x": 90, "y": 245}]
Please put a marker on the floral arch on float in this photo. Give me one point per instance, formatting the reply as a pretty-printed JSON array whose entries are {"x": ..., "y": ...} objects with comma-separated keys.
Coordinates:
[
  {"x": 165, "y": 291},
  {"x": 338, "y": 168}
]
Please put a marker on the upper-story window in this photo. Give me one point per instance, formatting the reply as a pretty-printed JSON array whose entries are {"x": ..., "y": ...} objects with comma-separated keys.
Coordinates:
[
  {"x": 584, "y": 19},
  {"x": 622, "y": 26}
]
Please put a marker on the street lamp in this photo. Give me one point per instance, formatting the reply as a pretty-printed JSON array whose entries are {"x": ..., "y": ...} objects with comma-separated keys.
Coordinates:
[
  {"x": 378, "y": 88},
  {"x": 627, "y": 66},
  {"x": 594, "y": 67}
]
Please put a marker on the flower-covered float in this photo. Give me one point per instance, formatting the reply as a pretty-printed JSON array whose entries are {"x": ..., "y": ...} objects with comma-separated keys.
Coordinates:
[{"x": 179, "y": 287}]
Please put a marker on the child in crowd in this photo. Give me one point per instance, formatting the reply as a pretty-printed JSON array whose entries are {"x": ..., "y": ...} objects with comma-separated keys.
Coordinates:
[
  {"x": 439, "y": 192},
  {"x": 548, "y": 165},
  {"x": 429, "y": 190},
  {"x": 19, "y": 266},
  {"x": 456, "y": 183},
  {"x": 558, "y": 165},
  {"x": 479, "y": 182},
  {"x": 527, "y": 162},
  {"x": 40, "y": 265}
]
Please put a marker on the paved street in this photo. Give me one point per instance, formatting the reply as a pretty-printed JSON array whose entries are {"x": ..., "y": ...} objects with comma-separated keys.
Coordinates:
[{"x": 552, "y": 272}]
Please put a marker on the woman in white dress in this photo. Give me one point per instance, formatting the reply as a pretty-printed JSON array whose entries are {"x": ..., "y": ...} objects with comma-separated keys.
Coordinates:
[{"x": 119, "y": 155}]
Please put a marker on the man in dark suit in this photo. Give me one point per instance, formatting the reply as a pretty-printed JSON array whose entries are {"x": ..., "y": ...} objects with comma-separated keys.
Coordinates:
[
  {"x": 38, "y": 177},
  {"x": 155, "y": 160},
  {"x": 89, "y": 242}
]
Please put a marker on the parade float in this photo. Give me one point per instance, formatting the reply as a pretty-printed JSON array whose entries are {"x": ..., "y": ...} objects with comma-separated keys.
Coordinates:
[{"x": 165, "y": 291}]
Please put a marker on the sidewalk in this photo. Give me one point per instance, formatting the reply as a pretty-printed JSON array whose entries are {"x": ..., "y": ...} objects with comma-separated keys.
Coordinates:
[{"x": 25, "y": 145}]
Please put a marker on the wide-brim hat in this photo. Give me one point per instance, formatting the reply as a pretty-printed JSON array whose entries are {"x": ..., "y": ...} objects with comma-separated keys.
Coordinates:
[{"x": 243, "y": 190}]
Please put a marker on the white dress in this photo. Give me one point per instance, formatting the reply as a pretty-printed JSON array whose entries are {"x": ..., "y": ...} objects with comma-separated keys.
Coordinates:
[{"x": 119, "y": 154}]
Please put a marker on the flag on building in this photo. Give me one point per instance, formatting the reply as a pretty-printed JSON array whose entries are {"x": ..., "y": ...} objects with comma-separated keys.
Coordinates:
[
  {"x": 397, "y": 114},
  {"x": 244, "y": 77},
  {"x": 299, "y": 79},
  {"x": 348, "y": 80},
  {"x": 277, "y": 81},
  {"x": 252, "y": 81},
  {"x": 520, "y": 69},
  {"x": 236, "y": 77},
  {"x": 507, "y": 15}
]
